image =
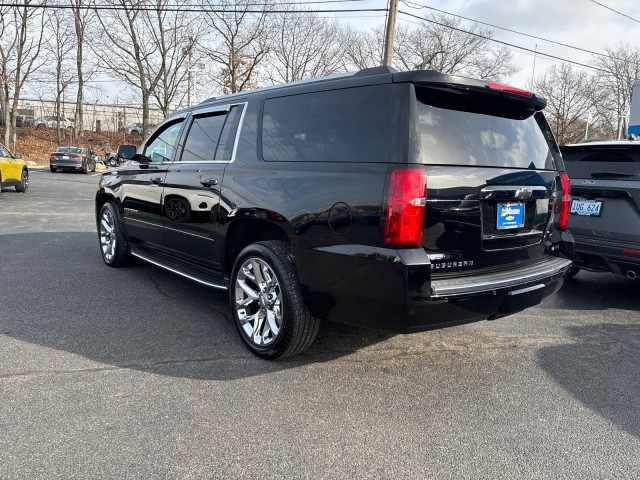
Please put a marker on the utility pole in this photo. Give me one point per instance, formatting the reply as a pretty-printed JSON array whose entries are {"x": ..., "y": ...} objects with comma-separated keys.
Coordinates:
[
  {"x": 391, "y": 29},
  {"x": 189, "y": 72}
]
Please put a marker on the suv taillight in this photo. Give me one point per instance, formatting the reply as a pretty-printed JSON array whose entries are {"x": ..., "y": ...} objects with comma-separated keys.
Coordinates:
[
  {"x": 404, "y": 212},
  {"x": 564, "y": 205}
]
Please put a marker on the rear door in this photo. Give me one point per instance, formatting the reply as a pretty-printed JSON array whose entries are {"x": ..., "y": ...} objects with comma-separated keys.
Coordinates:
[
  {"x": 605, "y": 190},
  {"x": 492, "y": 178}
]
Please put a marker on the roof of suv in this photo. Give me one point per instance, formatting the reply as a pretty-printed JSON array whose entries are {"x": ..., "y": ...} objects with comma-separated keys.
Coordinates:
[{"x": 417, "y": 76}]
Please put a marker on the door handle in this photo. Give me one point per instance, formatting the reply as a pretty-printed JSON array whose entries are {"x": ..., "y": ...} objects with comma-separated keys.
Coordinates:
[
  {"x": 157, "y": 180},
  {"x": 208, "y": 182}
]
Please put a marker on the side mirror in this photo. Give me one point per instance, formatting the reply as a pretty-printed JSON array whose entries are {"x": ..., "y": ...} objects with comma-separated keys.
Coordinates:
[
  {"x": 17, "y": 156},
  {"x": 127, "y": 152}
]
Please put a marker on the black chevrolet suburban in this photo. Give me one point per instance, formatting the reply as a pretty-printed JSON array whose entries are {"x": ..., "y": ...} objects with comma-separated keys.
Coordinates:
[{"x": 390, "y": 200}]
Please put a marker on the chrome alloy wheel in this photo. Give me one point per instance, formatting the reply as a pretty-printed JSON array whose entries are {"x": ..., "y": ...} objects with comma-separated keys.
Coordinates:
[
  {"x": 258, "y": 301},
  {"x": 107, "y": 235}
]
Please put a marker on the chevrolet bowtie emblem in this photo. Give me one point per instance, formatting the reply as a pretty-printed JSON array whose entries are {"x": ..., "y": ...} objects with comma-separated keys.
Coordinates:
[{"x": 523, "y": 193}]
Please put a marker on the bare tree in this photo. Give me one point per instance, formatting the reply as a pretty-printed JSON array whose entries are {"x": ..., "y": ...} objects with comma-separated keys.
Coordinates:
[
  {"x": 440, "y": 43},
  {"x": 569, "y": 94},
  {"x": 304, "y": 45},
  {"x": 237, "y": 42},
  {"x": 621, "y": 67},
  {"x": 364, "y": 49},
  {"x": 136, "y": 44},
  {"x": 176, "y": 44},
  {"x": 60, "y": 45},
  {"x": 21, "y": 33},
  {"x": 82, "y": 18}
]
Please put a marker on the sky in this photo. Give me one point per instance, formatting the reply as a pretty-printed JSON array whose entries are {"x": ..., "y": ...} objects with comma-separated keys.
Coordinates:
[{"x": 580, "y": 23}]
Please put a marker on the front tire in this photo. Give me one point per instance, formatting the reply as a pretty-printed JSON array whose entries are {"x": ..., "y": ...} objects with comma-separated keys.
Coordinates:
[
  {"x": 113, "y": 244},
  {"x": 267, "y": 304},
  {"x": 24, "y": 182},
  {"x": 85, "y": 168}
]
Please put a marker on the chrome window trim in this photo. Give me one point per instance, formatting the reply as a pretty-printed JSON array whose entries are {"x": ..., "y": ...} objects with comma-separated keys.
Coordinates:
[
  {"x": 238, "y": 132},
  {"x": 219, "y": 108}
]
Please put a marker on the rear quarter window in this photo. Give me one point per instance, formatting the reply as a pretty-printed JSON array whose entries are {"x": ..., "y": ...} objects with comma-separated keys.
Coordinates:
[{"x": 347, "y": 125}]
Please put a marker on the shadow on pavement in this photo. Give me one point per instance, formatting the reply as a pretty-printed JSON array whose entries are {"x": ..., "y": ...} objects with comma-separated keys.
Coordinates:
[
  {"x": 597, "y": 291},
  {"x": 62, "y": 296},
  {"x": 600, "y": 370}
]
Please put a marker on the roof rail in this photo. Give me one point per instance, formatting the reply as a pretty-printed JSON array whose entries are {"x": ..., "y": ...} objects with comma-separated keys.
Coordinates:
[
  {"x": 244, "y": 93},
  {"x": 375, "y": 71}
]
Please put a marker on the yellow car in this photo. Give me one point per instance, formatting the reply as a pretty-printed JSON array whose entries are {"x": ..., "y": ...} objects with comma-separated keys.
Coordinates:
[{"x": 13, "y": 170}]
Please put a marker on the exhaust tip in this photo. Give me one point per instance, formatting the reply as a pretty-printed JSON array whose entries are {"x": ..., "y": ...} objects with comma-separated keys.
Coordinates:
[{"x": 632, "y": 274}]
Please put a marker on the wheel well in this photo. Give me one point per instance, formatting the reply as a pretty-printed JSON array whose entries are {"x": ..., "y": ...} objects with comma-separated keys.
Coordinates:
[
  {"x": 245, "y": 232},
  {"x": 101, "y": 199}
]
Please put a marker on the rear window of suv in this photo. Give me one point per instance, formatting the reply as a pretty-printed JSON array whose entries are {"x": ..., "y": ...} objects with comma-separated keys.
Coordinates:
[
  {"x": 473, "y": 130},
  {"x": 347, "y": 125},
  {"x": 602, "y": 161}
]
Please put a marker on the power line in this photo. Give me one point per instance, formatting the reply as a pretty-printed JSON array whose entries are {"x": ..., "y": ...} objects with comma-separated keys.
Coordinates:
[
  {"x": 616, "y": 11},
  {"x": 508, "y": 29},
  {"x": 504, "y": 43},
  {"x": 183, "y": 8}
]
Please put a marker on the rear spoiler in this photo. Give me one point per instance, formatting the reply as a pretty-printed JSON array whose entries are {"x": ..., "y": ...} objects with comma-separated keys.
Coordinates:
[{"x": 431, "y": 78}]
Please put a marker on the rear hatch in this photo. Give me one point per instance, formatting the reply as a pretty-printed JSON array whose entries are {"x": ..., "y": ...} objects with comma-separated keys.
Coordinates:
[
  {"x": 493, "y": 175},
  {"x": 605, "y": 190}
]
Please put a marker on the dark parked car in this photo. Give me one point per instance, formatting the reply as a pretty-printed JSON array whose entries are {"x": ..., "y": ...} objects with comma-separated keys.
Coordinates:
[
  {"x": 605, "y": 205},
  {"x": 73, "y": 159},
  {"x": 390, "y": 200}
]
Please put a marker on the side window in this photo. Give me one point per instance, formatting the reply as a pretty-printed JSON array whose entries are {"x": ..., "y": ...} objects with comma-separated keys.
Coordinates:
[
  {"x": 4, "y": 152},
  {"x": 211, "y": 136},
  {"x": 228, "y": 135},
  {"x": 348, "y": 125},
  {"x": 163, "y": 144},
  {"x": 203, "y": 137}
]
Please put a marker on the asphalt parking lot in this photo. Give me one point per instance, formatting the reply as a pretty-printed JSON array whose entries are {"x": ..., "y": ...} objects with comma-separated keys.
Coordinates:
[{"x": 138, "y": 373}]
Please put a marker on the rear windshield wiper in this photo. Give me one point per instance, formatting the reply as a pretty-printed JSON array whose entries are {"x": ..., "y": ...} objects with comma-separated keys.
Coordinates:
[{"x": 611, "y": 174}]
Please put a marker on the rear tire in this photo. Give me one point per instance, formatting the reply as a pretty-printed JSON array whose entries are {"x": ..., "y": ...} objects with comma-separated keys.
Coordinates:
[
  {"x": 267, "y": 304},
  {"x": 53, "y": 169},
  {"x": 114, "y": 246}
]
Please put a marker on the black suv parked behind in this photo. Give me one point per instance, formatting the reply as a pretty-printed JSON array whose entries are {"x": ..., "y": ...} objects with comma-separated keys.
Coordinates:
[
  {"x": 605, "y": 206},
  {"x": 390, "y": 200}
]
